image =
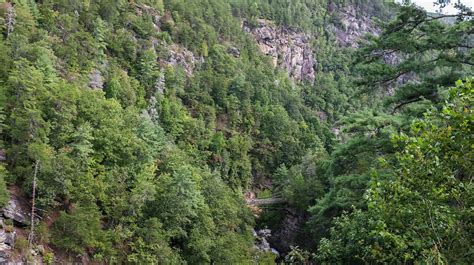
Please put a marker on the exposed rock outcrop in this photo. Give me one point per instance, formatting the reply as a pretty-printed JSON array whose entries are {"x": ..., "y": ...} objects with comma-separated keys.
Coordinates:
[
  {"x": 10, "y": 238},
  {"x": 4, "y": 257},
  {"x": 3, "y": 235},
  {"x": 234, "y": 52},
  {"x": 179, "y": 56},
  {"x": 353, "y": 26},
  {"x": 13, "y": 211},
  {"x": 261, "y": 242},
  {"x": 95, "y": 79},
  {"x": 285, "y": 237},
  {"x": 7, "y": 243},
  {"x": 289, "y": 49}
]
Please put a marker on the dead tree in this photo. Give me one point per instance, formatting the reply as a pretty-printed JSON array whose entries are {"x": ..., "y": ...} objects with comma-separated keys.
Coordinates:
[{"x": 31, "y": 235}]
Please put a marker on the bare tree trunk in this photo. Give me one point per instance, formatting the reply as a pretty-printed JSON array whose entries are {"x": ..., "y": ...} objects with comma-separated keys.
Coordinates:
[{"x": 31, "y": 235}]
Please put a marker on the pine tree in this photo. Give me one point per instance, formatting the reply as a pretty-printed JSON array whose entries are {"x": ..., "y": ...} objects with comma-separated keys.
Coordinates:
[{"x": 417, "y": 54}]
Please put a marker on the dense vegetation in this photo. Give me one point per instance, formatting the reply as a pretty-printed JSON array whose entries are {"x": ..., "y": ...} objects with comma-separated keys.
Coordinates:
[{"x": 146, "y": 162}]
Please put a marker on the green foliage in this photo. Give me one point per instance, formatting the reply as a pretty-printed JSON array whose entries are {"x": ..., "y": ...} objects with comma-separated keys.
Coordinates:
[
  {"x": 264, "y": 257},
  {"x": 125, "y": 89},
  {"x": 81, "y": 229},
  {"x": 21, "y": 244},
  {"x": 152, "y": 246},
  {"x": 347, "y": 170},
  {"x": 366, "y": 134},
  {"x": 419, "y": 212},
  {"x": 42, "y": 233},
  {"x": 264, "y": 194},
  {"x": 418, "y": 46},
  {"x": 301, "y": 185},
  {"x": 4, "y": 195},
  {"x": 148, "y": 130},
  {"x": 297, "y": 256},
  {"x": 48, "y": 258},
  {"x": 9, "y": 228}
]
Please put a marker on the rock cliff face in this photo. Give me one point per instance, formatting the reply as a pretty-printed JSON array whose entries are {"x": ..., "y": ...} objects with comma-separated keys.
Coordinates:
[
  {"x": 179, "y": 56},
  {"x": 289, "y": 49},
  {"x": 282, "y": 239},
  {"x": 353, "y": 25}
]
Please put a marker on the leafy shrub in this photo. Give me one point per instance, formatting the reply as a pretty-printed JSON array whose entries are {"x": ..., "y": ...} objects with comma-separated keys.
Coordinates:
[
  {"x": 79, "y": 230},
  {"x": 21, "y": 244},
  {"x": 42, "y": 233},
  {"x": 4, "y": 195},
  {"x": 48, "y": 258},
  {"x": 9, "y": 228}
]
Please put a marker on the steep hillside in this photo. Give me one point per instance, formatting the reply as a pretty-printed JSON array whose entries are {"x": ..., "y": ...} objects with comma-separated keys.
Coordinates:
[
  {"x": 132, "y": 130},
  {"x": 146, "y": 116}
]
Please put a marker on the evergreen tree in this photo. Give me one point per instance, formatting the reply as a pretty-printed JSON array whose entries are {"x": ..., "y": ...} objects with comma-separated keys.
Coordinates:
[
  {"x": 418, "y": 54},
  {"x": 419, "y": 210}
]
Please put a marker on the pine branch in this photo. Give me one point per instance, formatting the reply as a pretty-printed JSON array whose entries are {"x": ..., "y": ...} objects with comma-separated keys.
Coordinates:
[
  {"x": 413, "y": 100},
  {"x": 406, "y": 103}
]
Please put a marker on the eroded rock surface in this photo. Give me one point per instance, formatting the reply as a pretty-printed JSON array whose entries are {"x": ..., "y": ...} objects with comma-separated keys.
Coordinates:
[
  {"x": 285, "y": 237},
  {"x": 13, "y": 211},
  {"x": 353, "y": 26},
  {"x": 181, "y": 57},
  {"x": 261, "y": 242},
  {"x": 289, "y": 49}
]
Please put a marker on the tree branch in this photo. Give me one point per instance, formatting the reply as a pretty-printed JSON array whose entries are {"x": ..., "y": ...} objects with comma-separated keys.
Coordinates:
[{"x": 406, "y": 103}]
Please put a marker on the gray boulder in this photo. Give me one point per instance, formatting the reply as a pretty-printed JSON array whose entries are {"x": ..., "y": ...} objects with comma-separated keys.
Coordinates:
[
  {"x": 14, "y": 212},
  {"x": 4, "y": 257},
  {"x": 10, "y": 239},
  {"x": 41, "y": 249},
  {"x": 3, "y": 236},
  {"x": 234, "y": 52},
  {"x": 95, "y": 79}
]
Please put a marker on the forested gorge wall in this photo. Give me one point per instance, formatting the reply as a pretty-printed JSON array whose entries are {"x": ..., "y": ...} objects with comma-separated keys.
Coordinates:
[
  {"x": 293, "y": 50},
  {"x": 143, "y": 123}
]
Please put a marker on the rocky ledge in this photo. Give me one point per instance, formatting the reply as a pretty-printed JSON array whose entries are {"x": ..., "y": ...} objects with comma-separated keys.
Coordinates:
[{"x": 16, "y": 211}]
